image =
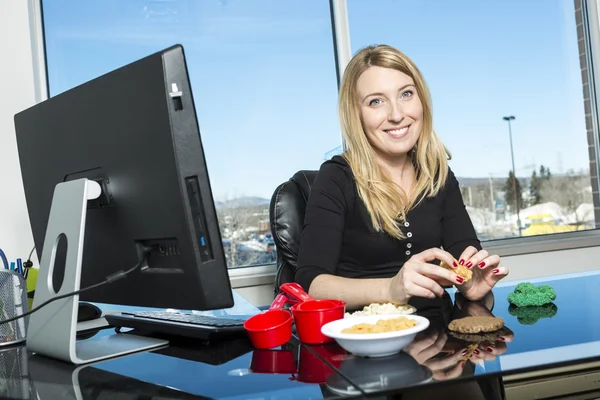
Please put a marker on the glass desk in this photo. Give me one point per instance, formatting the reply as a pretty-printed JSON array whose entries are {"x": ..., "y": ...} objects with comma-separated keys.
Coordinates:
[
  {"x": 564, "y": 344},
  {"x": 560, "y": 341}
]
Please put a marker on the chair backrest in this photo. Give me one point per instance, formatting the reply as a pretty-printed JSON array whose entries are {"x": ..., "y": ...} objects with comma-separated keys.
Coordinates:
[{"x": 286, "y": 215}]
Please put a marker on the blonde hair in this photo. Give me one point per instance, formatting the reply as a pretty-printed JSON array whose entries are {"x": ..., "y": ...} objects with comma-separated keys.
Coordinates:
[{"x": 386, "y": 202}]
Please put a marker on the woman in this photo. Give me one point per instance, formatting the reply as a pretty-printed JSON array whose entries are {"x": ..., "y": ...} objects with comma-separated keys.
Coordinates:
[{"x": 378, "y": 215}]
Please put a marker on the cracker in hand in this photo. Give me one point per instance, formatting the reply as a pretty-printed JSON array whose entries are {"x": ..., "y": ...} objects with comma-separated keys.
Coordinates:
[{"x": 461, "y": 270}]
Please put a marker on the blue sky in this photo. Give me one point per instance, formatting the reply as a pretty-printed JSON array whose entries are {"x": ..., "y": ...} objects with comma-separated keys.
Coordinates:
[{"x": 264, "y": 82}]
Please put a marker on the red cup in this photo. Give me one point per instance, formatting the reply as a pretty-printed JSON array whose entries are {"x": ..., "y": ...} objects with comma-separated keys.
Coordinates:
[
  {"x": 271, "y": 328},
  {"x": 310, "y": 315},
  {"x": 273, "y": 362}
]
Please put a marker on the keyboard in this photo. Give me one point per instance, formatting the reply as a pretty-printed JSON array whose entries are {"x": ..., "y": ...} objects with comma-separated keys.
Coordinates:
[{"x": 178, "y": 324}]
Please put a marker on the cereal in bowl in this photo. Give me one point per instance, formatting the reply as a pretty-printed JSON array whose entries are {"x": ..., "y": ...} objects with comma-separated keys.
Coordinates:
[
  {"x": 382, "y": 309},
  {"x": 383, "y": 325}
]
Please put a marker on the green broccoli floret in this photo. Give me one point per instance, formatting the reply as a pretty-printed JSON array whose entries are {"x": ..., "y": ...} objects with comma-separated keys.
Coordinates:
[
  {"x": 525, "y": 294},
  {"x": 529, "y": 315}
]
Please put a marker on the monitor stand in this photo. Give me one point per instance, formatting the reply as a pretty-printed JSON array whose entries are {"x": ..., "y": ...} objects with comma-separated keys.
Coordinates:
[{"x": 52, "y": 330}]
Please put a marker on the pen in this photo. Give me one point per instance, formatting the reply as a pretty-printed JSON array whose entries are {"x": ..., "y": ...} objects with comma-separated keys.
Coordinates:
[
  {"x": 12, "y": 265},
  {"x": 19, "y": 266},
  {"x": 4, "y": 260}
]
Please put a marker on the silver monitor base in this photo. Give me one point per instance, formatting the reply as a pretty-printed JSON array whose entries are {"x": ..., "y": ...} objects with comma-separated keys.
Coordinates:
[
  {"x": 52, "y": 330},
  {"x": 114, "y": 345}
]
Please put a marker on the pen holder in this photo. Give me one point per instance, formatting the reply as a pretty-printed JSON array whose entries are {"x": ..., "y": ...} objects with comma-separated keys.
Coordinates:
[{"x": 13, "y": 302}]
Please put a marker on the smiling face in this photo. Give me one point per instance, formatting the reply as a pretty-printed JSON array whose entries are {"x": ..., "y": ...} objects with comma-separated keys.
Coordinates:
[{"x": 390, "y": 110}]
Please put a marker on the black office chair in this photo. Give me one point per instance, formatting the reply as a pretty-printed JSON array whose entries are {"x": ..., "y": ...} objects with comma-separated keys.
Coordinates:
[{"x": 286, "y": 215}]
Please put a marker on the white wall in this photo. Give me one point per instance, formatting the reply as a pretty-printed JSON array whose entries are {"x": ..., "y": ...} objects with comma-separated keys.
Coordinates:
[
  {"x": 17, "y": 92},
  {"x": 537, "y": 265}
]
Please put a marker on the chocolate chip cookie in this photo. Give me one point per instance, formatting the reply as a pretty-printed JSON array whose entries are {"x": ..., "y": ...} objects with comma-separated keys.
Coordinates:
[
  {"x": 480, "y": 337},
  {"x": 476, "y": 324}
]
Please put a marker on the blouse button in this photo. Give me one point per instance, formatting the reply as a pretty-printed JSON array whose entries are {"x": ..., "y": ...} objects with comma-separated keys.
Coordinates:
[
  {"x": 406, "y": 224},
  {"x": 409, "y": 234},
  {"x": 408, "y": 245},
  {"x": 407, "y": 252}
]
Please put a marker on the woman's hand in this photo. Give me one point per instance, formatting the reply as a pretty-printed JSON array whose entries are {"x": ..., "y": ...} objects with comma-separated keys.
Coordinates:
[
  {"x": 486, "y": 273},
  {"x": 419, "y": 278}
]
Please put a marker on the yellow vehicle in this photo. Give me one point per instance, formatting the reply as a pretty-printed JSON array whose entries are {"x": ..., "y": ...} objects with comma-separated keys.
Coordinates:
[{"x": 542, "y": 224}]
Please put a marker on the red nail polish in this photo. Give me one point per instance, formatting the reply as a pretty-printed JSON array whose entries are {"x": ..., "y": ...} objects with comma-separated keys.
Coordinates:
[
  {"x": 454, "y": 263},
  {"x": 495, "y": 271},
  {"x": 481, "y": 264},
  {"x": 489, "y": 350},
  {"x": 464, "y": 353},
  {"x": 469, "y": 264},
  {"x": 502, "y": 338},
  {"x": 476, "y": 352},
  {"x": 461, "y": 262},
  {"x": 459, "y": 279}
]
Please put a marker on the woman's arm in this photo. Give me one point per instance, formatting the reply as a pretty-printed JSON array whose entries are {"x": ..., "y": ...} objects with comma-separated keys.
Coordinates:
[
  {"x": 417, "y": 277},
  {"x": 324, "y": 221},
  {"x": 355, "y": 292}
]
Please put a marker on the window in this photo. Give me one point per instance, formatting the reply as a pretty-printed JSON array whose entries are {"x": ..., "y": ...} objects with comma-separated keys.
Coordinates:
[
  {"x": 264, "y": 81},
  {"x": 486, "y": 62}
]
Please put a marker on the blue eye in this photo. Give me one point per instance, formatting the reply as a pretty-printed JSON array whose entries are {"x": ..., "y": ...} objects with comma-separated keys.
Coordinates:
[
  {"x": 407, "y": 94},
  {"x": 372, "y": 102}
]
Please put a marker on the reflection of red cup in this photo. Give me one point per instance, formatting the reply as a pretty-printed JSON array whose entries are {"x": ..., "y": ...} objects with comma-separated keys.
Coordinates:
[
  {"x": 310, "y": 315},
  {"x": 312, "y": 369},
  {"x": 273, "y": 362}
]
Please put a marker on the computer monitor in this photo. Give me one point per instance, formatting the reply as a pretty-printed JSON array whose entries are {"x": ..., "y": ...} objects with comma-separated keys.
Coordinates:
[{"x": 129, "y": 142}]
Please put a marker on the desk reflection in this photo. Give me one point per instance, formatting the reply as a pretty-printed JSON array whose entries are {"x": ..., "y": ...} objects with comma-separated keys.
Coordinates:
[
  {"x": 435, "y": 355},
  {"x": 380, "y": 374},
  {"x": 54, "y": 380}
]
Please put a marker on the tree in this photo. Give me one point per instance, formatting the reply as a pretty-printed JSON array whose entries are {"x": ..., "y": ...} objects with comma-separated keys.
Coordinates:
[
  {"x": 509, "y": 190},
  {"x": 568, "y": 191},
  {"x": 544, "y": 173},
  {"x": 535, "y": 187}
]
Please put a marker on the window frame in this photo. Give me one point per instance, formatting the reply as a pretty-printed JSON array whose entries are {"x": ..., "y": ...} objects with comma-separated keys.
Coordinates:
[
  {"x": 265, "y": 274},
  {"x": 251, "y": 276}
]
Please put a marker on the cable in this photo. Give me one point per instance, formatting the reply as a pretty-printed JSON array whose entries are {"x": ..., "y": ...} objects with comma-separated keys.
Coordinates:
[
  {"x": 109, "y": 279},
  {"x": 28, "y": 264}
]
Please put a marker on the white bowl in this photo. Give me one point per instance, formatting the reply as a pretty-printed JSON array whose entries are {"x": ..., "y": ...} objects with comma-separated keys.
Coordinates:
[{"x": 373, "y": 344}]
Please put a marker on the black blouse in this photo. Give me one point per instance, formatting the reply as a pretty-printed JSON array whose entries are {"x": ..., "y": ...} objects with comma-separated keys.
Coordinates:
[{"x": 338, "y": 237}]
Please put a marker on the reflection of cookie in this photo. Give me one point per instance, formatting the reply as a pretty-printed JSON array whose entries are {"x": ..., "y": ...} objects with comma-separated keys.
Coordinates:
[
  {"x": 461, "y": 270},
  {"x": 480, "y": 337},
  {"x": 476, "y": 324}
]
